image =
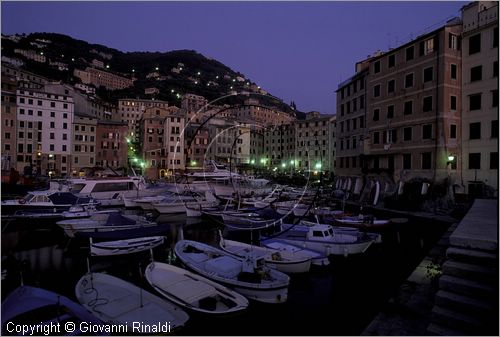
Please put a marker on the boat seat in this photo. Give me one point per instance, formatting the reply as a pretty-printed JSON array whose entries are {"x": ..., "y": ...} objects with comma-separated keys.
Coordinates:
[
  {"x": 120, "y": 301},
  {"x": 198, "y": 258},
  {"x": 183, "y": 287}
]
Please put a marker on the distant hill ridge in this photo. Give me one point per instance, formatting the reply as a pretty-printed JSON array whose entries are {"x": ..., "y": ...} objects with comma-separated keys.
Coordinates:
[{"x": 173, "y": 73}]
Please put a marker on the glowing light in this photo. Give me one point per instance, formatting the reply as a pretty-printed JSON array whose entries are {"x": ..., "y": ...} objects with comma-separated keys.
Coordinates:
[
  {"x": 51, "y": 155},
  {"x": 39, "y": 154},
  {"x": 135, "y": 160},
  {"x": 72, "y": 59},
  {"x": 292, "y": 161},
  {"x": 157, "y": 68},
  {"x": 128, "y": 140},
  {"x": 199, "y": 73},
  {"x": 41, "y": 53},
  {"x": 283, "y": 165},
  {"x": 252, "y": 161},
  {"x": 107, "y": 66},
  {"x": 195, "y": 82},
  {"x": 193, "y": 163},
  {"x": 217, "y": 77},
  {"x": 451, "y": 157},
  {"x": 143, "y": 164},
  {"x": 133, "y": 70},
  {"x": 263, "y": 160},
  {"x": 131, "y": 148},
  {"x": 318, "y": 165},
  {"x": 172, "y": 90}
]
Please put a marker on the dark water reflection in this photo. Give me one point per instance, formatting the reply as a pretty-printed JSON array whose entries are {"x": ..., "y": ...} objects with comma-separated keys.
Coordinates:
[{"x": 340, "y": 299}]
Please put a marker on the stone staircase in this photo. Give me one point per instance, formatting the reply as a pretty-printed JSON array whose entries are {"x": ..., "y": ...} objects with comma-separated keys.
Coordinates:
[{"x": 467, "y": 300}]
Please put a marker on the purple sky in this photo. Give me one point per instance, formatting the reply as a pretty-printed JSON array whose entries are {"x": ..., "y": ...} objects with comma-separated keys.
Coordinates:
[{"x": 296, "y": 50}]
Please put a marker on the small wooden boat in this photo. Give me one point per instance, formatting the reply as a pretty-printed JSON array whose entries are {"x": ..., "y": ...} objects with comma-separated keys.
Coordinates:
[
  {"x": 118, "y": 302},
  {"x": 193, "y": 291},
  {"x": 283, "y": 261},
  {"x": 364, "y": 222},
  {"x": 249, "y": 277},
  {"x": 42, "y": 308},
  {"x": 247, "y": 220},
  {"x": 317, "y": 258},
  {"x": 128, "y": 246}
]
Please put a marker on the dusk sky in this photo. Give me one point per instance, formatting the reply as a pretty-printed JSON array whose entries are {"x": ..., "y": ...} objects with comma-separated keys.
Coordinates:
[{"x": 297, "y": 51}]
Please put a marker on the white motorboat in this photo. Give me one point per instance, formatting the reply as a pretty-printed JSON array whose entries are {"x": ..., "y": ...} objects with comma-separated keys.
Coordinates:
[
  {"x": 118, "y": 302},
  {"x": 283, "y": 261},
  {"x": 324, "y": 239},
  {"x": 317, "y": 258},
  {"x": 111, "y": 191},
  {"x": 104, "y": 222},
  {"x": 46, "y": 201},
  {"x": 128, "y": 246},
  {"x": 179, "y": 203},
  {"x": 193, "y": 291},
  {"x": 249, "y": 277}
]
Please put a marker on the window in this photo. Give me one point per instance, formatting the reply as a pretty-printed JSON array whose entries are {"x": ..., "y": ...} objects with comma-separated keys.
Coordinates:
[
  {"x": 427, "y": 131},
  {"x": 428, "y": 74},
  {"x": 64, "y": 148},
  {"x": 409, "y": 80},
  {"x": 341, "y": 109},
  {"x": 376, "y": 113},
  {"x": 390, "y": 111},
  {"x": 7, "y": 135},
  {"x": 51, "y": 147},
  {"x": 475, "y": 130},
  {"x": 52, "y": 104},
  {"x": 391, "y": 60},
  {"x": 427, "y": 104},
  {"x": 453, "y": 42},
  {"x": 376, "y": 90},
  {"x": 65, "y": 115},
  {"x": 493, "y": 160},
  {"x": 361, "y": 122},
  {"x": 21, "y": 111},
  {"x": 39, "y": 113},
  {"x": 453, "y": 71},
  {"x": 406, "y": 161},
  {"x": 495, "y": 69},
  {"x": 407, "y": 134},
  {"x": 20, "y": 148},
  {"x": 65, "y": 106},
  {"x": 453, "y": 131},
  {"x": 376, "y": 136},
  {"x": 474, "y": 161},
  {"x": 494, "y": 129},
  {"x": 494, "y": 97},
  {"x": 376, "y": 67},
  {"x": 475, "y": 102},
  {"x": 428, "y": 46},
  {"x": 391, "y": 86},
  {"x": 21, "y": 134},
  {"x": 52, "y": 125},
  {"x": 410, "y": 51},
  {"x": 408, "y": 108},
  {"x": 475, "y": 44},
  {"x": 362, "y": 101},
  {"x": 426, "y": 161},
  {"x": 52, "y": 135},
  {"x": 476, "y": 73},
  {"x": 453, "y": 103},
  {"x": 39, "y": 103},
  {"x": 65, "y": 136}
]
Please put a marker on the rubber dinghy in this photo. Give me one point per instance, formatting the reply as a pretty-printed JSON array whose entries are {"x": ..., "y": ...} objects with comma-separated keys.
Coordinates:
[
  {"x": 116, "y": 301},
  {"x": 249, "y": 277},
  {"x": 193, "y": 291}
]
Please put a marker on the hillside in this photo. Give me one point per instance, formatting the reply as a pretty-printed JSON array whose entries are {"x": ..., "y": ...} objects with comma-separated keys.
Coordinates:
[{"x": 172, "y": 73}]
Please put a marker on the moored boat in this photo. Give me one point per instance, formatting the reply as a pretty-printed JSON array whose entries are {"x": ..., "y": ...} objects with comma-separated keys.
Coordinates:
[
  {"x": 317, "y": 258},
  {"x": 193, "y": 291},
  {"x": 323, "y": 238},
  {"x": 118, "y": 302},
  {"x": 283, "y": 261},
  {"x": 127, "y": 246},
  {"x": 249, "y": 277},
  {"x": 42, "y": 309}
]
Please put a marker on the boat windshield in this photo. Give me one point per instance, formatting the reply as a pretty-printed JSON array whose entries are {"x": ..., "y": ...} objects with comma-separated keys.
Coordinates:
[
  {"x": 330, "y": 230},
  {"x": 76, "y": 188}
]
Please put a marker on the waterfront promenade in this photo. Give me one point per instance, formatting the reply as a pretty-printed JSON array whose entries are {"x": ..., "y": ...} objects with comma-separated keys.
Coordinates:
[{"x": 454, "y": 290}]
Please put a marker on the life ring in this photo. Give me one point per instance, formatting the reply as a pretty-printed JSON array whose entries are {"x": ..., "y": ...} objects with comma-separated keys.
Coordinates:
[{"x": 21, "y": 201}]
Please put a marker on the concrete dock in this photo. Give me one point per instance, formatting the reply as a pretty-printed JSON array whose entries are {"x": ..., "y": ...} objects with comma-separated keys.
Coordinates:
[{"x": 454, "y": 290}]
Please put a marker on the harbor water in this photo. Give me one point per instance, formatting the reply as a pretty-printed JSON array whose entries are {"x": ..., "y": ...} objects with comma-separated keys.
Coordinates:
[{"x": 339, "y": 299}]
